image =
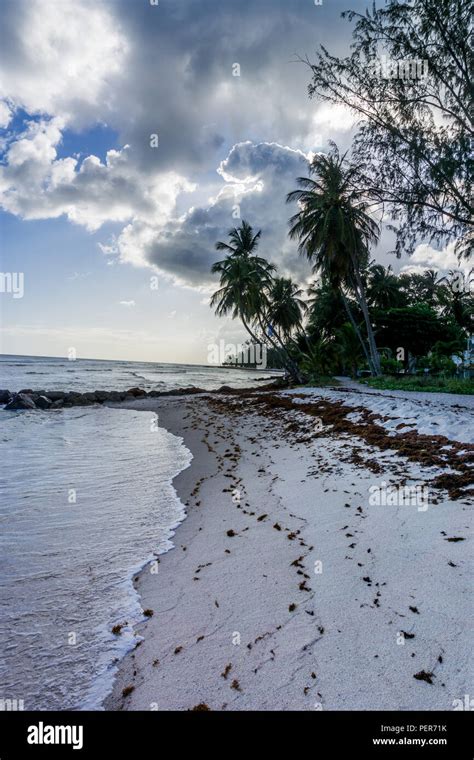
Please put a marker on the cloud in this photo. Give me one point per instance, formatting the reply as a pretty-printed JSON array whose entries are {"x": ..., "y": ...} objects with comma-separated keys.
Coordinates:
[
  {"x": 426, "y": 257},
  {"x": 165, "y": 70},
  {"x": 249, "y": 162},
  {"x": 6, "y": 114},
  {"x": 333, "y": 118},
  {"x": 128, "y": 304},
  {"x": 169, "y": 69},
  {"x": 256, "y": 178},
  {"x": 189, "y": 78},
  {"x": 35, "y": 184},
  {"x": 61, "y": 57}
]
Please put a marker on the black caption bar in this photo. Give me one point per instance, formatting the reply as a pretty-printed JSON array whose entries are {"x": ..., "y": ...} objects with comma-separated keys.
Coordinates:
[{"x": 380, "y": 734}]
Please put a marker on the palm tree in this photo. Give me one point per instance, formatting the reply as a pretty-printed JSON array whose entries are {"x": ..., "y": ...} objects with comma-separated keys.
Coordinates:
[
  {"x": 348, "y": 347},
  {"x": 384, "y": 289},
  {"x": 325, "y": 308},
  {"x": 241, "y": 240},
  {"x": 329, "y": 308},
  {"x": 285, "y": 312},
  {"x": 243, "y": 281},
  {"x": 430, "y": 284},
  {"x": 286, "y": 307},
  {"x": 321, "y": 358},
  {"x": 335, "y": 231},
  {"x": 422, "y": 286},
  {"x": 246, "y": 281},
  {"x": 455, "y": 298}
]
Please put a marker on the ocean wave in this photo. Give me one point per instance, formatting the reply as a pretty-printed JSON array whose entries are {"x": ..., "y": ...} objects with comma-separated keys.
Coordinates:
[
  {"x": 61, "y": 374},
  {"x": 98, "y": 545}
]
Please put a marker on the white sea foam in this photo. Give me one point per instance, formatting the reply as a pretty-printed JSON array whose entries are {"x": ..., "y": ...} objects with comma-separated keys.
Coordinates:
[{"x": 67, "y": 565}]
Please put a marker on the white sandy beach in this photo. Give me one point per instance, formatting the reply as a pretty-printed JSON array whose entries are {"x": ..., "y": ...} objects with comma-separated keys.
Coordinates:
[{"x": 287, "y": 589}]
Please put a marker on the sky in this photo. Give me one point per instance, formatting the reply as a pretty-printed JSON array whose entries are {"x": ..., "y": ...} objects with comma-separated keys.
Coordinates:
[{"x": 133, "y": 135}]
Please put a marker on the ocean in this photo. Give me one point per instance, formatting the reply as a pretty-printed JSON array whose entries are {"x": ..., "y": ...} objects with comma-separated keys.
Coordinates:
[
  {"x": 49, "y": 373},
  {"x": 86, "y": 500}
]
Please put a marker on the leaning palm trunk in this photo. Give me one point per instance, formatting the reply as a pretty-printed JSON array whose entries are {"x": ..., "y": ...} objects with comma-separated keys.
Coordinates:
[
  {"x": 296, "y": 345},
  {"x": 295, "y": 370},
  {"x": 256, "y": 340},
  {"x": 358, "y": 333},
  {"x": 304, "y": 334},
  {"x": 300, "y": 334},
  {"x": 361, "y": 300},
  {"x": 252, "y": 335},
  {"x": 282, "y": 352},
  {"x": 370, "y": 335}
]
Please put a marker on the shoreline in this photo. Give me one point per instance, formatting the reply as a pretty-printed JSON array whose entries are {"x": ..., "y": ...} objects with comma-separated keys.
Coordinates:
[{"x": 242, "y": 621}]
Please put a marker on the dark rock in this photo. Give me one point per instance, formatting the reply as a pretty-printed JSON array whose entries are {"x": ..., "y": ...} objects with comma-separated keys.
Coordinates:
[
  {"x": 43, "y": 402},
  {"x": 27, "y": 391},
  {"x": 55, "y": 395},
  {"x": 89, "y": 396},
  {"x": 73, "y": 398},
  {"x": 116, "y": 396},
  {"x": 5, "y": 397},
  {"x": 20, "y": 401},
  {"x": 101, "y": 396},
  {"x": 183, "y": 391},
  {"x": 136, "y": 392},
  {"x": 57, "y": 404}
]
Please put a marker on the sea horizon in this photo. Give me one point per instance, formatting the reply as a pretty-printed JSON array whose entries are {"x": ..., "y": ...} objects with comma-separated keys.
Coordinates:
[{"x": 137, "y": 361}]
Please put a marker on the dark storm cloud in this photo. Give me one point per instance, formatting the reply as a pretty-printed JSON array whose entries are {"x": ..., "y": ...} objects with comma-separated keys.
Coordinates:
[
  {"x": 179, "y": 79},
  {"x": 185, "y": 249}
]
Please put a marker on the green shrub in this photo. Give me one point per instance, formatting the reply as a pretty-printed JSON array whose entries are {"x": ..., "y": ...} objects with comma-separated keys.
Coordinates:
[{"x": 427, "y": 383}]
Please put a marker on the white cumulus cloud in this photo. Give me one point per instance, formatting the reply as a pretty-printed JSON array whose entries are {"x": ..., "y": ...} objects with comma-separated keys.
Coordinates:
[
  {"x": 35, "y": 184},
  {"x": 426, "y": 257},
  {"x": 61, "y": 57}
]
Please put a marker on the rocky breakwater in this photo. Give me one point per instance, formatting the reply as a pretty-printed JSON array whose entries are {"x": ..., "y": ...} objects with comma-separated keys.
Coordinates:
[{"x": 41, "y": 399}]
